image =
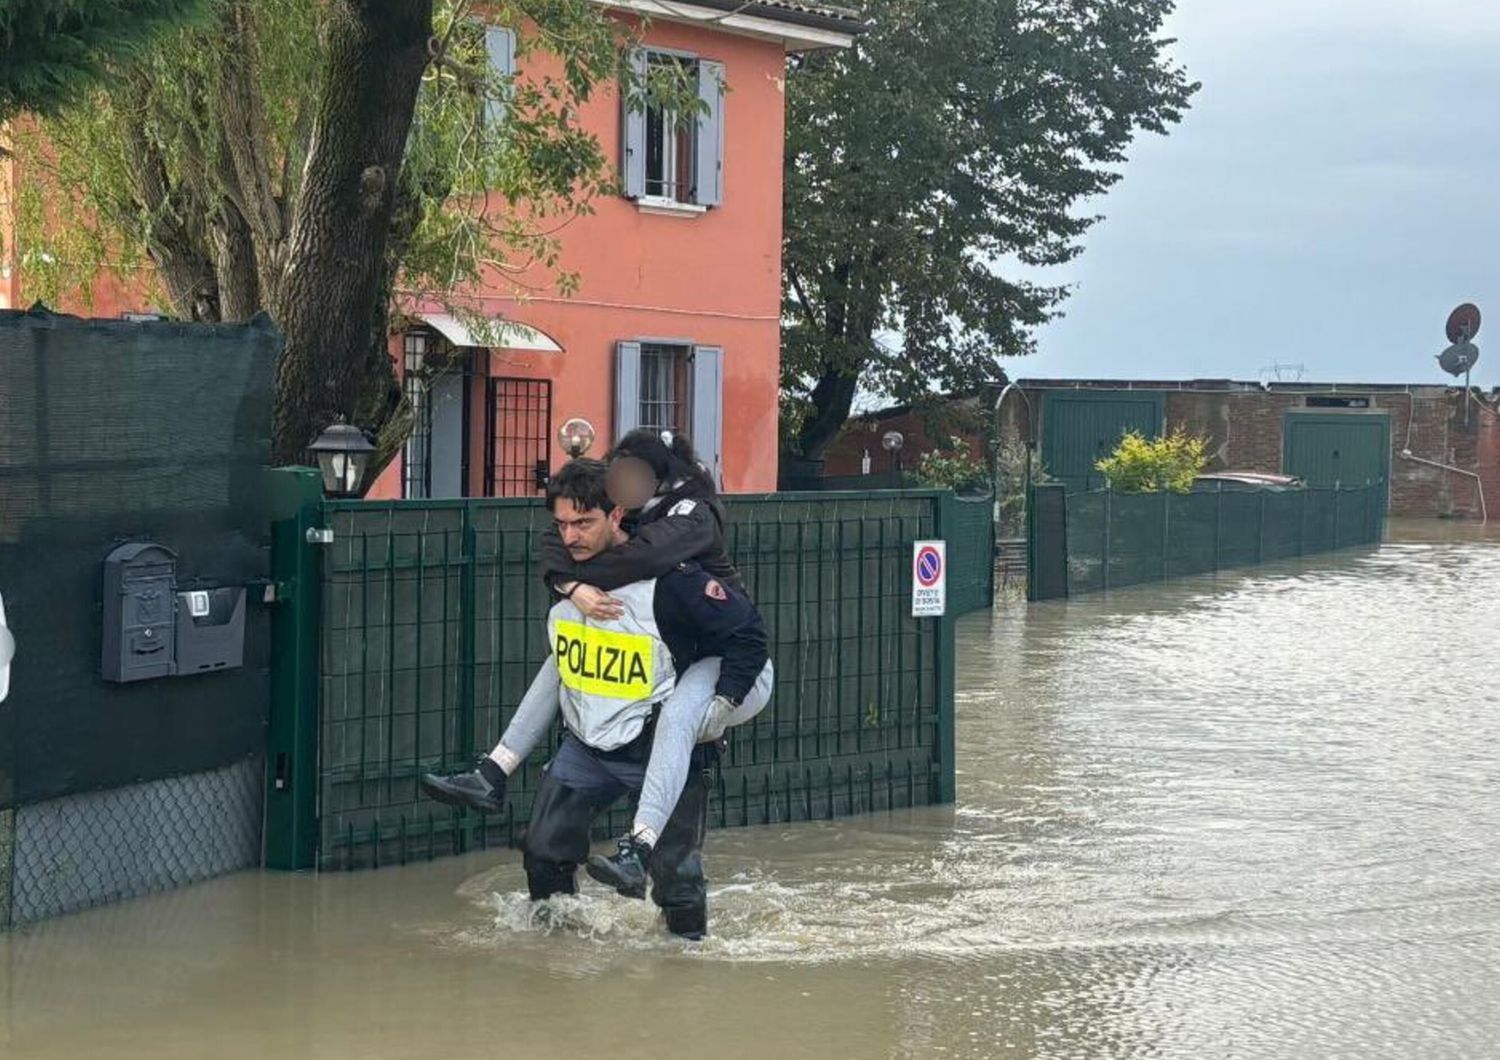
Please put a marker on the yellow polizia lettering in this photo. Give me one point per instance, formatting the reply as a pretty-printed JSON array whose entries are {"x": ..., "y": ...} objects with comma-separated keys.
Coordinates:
[{"x": 604, "y": 662}]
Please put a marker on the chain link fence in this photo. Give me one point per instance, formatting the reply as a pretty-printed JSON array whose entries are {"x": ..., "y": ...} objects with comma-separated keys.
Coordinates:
[{"x": 79, "y": 851}]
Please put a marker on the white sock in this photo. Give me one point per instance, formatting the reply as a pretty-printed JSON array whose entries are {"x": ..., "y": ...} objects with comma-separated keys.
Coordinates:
[
  {"x": 644, "y": 835},
  {"x": 505, "y": 758}
]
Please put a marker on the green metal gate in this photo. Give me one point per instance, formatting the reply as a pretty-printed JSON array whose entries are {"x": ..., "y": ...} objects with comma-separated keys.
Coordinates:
[
  {"x": 428, "y": 620},
  {"x": 1081, "y": 427}
]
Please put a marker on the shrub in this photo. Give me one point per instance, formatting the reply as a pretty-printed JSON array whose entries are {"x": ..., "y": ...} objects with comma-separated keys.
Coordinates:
[
  {"x": 953, "y": 467},
  {"x": 1142, "y": 465}
]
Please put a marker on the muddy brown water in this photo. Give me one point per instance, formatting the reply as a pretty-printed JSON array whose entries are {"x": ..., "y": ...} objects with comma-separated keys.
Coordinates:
[{"x": 1251, "y": 816}]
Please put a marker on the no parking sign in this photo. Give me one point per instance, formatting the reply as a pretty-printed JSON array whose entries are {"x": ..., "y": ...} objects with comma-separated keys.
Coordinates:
[{"x": 929, "y": 579}]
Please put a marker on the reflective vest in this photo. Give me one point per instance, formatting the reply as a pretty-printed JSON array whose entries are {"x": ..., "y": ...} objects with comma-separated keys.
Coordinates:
[{"x": 613, "y": 673}]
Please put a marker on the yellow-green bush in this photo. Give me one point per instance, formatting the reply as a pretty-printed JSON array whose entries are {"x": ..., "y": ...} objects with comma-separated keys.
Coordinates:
[{"x": 1150, "y": 465}]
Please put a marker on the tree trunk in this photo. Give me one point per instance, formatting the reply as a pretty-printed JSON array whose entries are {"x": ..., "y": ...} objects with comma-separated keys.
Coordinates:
[
  {"x": 181, "y": 261},
  {"x": 833, "y": 395},
  {"x": 832, "y": 398},
  {"x": 377, "y": 50},
  {"x": 235, "y": 264}
]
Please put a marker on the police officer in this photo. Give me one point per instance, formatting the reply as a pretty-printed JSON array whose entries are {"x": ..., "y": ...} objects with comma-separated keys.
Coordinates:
[{"x": 609, "y": 678}]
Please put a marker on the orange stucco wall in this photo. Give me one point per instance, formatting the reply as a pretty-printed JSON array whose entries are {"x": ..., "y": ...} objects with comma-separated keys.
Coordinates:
[{"x": 711, "y": 279}]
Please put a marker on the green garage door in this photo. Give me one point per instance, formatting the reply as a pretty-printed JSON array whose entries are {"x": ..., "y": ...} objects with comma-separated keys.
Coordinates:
[
  {"x": 1326, "y": 449},
  {"x": 1082, "y": 427}
]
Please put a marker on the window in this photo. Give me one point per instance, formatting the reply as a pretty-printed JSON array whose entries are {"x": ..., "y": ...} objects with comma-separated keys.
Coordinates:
[
  {"x": 671, "y": 158},
  {"x": 668, "y": 386},
  {"x": 416, "y": 463},
  {"x": 669, "y": 139},
  {"x": 664, "y": 387}
]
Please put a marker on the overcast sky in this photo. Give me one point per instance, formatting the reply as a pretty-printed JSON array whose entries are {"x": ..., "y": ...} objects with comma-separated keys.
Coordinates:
[{"x": 1332, "y": 193}]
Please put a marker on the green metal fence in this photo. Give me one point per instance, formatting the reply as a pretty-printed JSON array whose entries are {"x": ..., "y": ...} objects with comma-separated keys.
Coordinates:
[
  {"x": 430, "y": 619},
  {"x": 1109, "y": 540}
]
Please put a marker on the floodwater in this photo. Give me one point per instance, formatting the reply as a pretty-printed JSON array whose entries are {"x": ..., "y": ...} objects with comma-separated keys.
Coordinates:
[{"x": 1257, "y": 816}]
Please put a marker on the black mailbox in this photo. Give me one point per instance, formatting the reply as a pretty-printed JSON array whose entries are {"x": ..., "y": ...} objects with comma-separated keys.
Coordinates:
[{"x": 140, "y": 620}]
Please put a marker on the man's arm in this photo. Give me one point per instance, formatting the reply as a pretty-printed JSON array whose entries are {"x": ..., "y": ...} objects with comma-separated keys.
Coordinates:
[
  {"x": 722, "y": 622},
  {"x": 688, "y": 531},
  {"x": 557, "y": 563}
]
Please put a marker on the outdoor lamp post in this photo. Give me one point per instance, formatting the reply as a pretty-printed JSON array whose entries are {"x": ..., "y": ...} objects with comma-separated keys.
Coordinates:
[
  {"x": 576, "y": 437},
  {"x": 343, "y": 454},
  {"x": 891, "y": 442}
]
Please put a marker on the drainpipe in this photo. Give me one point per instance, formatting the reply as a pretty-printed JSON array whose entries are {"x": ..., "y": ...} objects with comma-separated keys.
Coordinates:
[{"x": 1484, "y": 515}]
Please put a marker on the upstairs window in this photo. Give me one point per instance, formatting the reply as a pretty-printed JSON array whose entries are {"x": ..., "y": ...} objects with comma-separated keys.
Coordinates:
[
  {"x": 671, "y": 157},
  {"x": 670, "y": 140}
]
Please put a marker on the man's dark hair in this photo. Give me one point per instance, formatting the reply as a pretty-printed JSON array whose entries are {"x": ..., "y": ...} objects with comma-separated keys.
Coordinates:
[{"x": 582, "y": 482}]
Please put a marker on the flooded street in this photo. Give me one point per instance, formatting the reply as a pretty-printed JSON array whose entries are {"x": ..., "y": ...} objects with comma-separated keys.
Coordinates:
[{"x": 1257, "y": 816}]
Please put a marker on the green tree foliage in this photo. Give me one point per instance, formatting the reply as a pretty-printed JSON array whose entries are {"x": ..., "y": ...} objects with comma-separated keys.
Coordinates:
[
  {"x": 1142, "y": 465},
  {"x": 51, "y": 51},
  {"x": 932, "y": 165},
  {"x": 312, "y": 159}
]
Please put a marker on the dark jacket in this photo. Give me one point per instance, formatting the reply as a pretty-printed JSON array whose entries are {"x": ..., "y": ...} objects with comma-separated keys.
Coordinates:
[
  {"x": 674, "y": 529},
  {"x": 700, "y": 616}
]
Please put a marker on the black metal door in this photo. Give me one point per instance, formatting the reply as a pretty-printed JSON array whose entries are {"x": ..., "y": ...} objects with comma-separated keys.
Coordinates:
[{"x": 519, "y": 437}]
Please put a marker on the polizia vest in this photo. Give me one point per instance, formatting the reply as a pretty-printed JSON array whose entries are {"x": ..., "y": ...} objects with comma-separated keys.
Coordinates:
[{"x": 613, "y": 673}]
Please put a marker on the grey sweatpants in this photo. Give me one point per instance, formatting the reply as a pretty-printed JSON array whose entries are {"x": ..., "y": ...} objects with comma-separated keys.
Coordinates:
[{"x": 687, "y": 718}]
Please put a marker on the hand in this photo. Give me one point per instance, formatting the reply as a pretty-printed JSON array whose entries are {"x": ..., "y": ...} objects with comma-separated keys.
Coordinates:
[{"x": 596, "y": 603}]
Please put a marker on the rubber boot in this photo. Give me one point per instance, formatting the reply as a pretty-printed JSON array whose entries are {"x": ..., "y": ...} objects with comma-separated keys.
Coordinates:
[{"x": 557, "y": 837}]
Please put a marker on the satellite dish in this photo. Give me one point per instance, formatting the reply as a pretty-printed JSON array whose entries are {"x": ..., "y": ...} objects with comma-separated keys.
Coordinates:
[
  {"x": 1463, "y": 324},
  {"x": 1459, "y": 358}
]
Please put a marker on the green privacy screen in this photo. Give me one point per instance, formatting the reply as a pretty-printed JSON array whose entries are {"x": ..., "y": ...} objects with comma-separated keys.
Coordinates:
[
  {"x": 113, "y": 432},
  {"x": 432, "y": 626},
  {"x": 1108, "y": 540}
]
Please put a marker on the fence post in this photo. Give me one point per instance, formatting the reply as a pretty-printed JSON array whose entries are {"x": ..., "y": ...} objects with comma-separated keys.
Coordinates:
[
  {"x": 1108, "y": 509},
  {"x": 291, "y": 840},
  {"x": 1260, "y": 528},
  {"x": 943, "y": 523},
  {"x": 468, "y": 592},
  {"x": 1218, "y": 522},
  {"x": 1302, "y": 525},
  {"x": 1166, "y": 530}
]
